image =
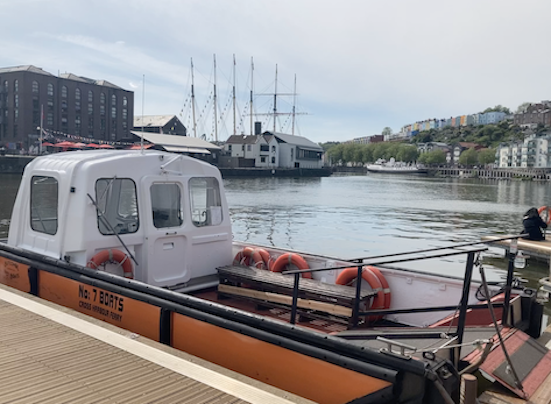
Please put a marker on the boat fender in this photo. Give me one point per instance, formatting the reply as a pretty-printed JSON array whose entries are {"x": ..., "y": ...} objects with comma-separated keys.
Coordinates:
[
  {"x": 348, "y": 276},
  {"x": 287, "y": 259},
  {"x": 249, "y": 256},
  {"x": 112, "y": 255},
  {"x": 545, "y": 213}
]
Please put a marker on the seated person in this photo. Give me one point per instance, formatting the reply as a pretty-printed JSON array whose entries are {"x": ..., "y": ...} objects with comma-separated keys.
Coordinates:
[{"x": 533, "y": 225}]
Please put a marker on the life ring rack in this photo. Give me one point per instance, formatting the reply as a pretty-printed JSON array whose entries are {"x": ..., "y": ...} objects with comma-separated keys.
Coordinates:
[
  {"x": 545, "y": 213},
  {"x": 112, "y": 255}
]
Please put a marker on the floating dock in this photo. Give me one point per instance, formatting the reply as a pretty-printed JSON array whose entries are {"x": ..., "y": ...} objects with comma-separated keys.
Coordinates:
[
  {"x": 50, "y": 354},
  {"x": 540, "y": 250}
]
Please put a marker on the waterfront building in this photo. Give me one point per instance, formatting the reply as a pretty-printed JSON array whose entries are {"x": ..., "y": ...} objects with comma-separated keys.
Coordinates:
[
  {"x": 272, "y": 149},
  {"x": 533, "y": 152},
  {"x": 64, "y": 105},
  {"x": 162, "y": 124}
]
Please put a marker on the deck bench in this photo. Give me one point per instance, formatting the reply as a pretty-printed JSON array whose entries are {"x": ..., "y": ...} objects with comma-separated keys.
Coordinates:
[{"x": 276, "y": 290}]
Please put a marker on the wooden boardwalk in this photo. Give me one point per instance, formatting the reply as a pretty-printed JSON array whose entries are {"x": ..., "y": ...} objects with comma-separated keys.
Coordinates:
[{"x": 50, "y": 354}]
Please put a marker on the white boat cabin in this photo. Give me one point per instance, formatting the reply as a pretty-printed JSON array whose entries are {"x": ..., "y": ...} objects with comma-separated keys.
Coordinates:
[{"x": 168, "y": 212}]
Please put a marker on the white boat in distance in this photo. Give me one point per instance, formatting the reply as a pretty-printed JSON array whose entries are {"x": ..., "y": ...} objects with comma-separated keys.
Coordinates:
[{"x": 394, "y": 167}]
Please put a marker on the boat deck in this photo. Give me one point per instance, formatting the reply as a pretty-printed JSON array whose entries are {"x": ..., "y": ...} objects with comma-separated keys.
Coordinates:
[{"x": 50, "y": 354}]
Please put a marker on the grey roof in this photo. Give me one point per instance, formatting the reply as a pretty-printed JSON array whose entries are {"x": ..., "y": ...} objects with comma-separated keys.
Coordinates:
[
  {"x": 25, "y": 68},
  {"x": 176, "y": 141},
  {"x": 243, "y": 139},
  {"x": 296, "y": 140},
  {"x": 152, "y": 120},
  {"x": 107, "y": 84}
]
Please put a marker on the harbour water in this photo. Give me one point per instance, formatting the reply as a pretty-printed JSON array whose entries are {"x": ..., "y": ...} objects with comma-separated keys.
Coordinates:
[{"x": 352, "y": 216}]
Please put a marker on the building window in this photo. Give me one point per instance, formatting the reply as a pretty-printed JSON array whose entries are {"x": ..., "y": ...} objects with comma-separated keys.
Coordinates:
[
  {"x": 77, "y": 94},
  {"x": 35, "y": 86},
  {"x": 273, "y": 160},
  {"x": 90, "y": 96},
  {"x": 44, "y": 194},
  {"x": 113, "y": 100},
  {"x": 63, "y": 92},
  {"x": 90, "y": 109},
  {"x": 248, "y": 147},
  {"x": 16, "y": 100},
  {"x": 206, "y": 204},
  {"x": 273, "y": 149},
  {"x": 77, "y": 125},
  {"x": 16, "y": 86},
  {"x": 102, "y": 98},
  {"x": 6, "y": 86},
  {"x": 113, "y": 106},
  {"x": 262, "y": 159},
  {"x": 124, "y": 101},
  {"x": 264, "y": 148},
  {"x": 117, "y": 204},
  {"x": 124, "y": 114},
  {"x": 15, "y": 114},
  {"x": 50, "y": 90},
  {"x": 50, "y": 119},
  {"x": 91, "y": 124},
  {"x": 114, "y": 112},
  {"x": 229, "y": 147},
  {"x": 102, "y": 110},
  {"x": 166, "y": 205}
]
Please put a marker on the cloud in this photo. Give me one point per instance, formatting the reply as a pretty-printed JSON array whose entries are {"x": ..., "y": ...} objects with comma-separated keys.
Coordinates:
[{"x": 360, "y": 65}]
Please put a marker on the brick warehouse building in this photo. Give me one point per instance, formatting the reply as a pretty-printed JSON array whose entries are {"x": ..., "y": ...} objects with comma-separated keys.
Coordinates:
[{"x": 72, "y": 105}]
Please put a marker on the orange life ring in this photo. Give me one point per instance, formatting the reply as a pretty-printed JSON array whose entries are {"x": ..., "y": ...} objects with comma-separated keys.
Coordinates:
[
  {"x": 348, "y": 275},
  {"x": 266, "y": 258},
  {"x": 291, "y": 259},
  {"x": 112, "y": 255},
  {"x": 249, "y": 256},
  {"x": 546, "y": 217},
  {"x": 384, "y": 283}
]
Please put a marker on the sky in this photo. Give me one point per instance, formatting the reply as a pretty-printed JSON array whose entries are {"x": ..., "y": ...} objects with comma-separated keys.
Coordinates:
[{"x": 360, "y": 65}]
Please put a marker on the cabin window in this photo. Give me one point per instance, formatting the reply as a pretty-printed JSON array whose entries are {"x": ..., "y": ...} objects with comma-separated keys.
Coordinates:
[
  {"x": 166, "y": 205},
  {"x": 206, "y": 204},
  {"x": 117, "y": 206},
  {"x": 44, "y": 204}
]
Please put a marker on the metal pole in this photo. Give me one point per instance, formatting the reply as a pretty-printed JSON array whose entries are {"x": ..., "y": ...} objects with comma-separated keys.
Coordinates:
[
  {"x": 464, "y": 300},
  {"x": 356, "y": 308},
  {"x": 510, "y": 270},
  {"x": 295, "y": 299}
]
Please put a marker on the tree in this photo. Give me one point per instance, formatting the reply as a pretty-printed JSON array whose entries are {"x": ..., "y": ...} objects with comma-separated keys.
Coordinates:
[
  {"x": 407, "y": 154},
  {"x": 386, "y": 131},
  {"x": 433, "y": 157},
  {"x": 469, "y": 157},
  {"x": 487, "y": 156},
  {"x": 498, "y": 108},
  {"x": 522, "y": 108}
]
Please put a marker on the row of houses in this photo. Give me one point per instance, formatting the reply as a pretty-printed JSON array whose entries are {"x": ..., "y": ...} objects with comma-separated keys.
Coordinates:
[{"x": 463, "y": 120}]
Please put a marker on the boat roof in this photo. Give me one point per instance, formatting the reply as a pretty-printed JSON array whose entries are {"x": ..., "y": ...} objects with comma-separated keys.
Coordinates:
[{"x": 146, "y": 160}]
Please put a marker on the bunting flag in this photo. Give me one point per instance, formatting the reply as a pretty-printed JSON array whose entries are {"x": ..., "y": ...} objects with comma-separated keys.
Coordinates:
[{"x": 61, "y": 136}]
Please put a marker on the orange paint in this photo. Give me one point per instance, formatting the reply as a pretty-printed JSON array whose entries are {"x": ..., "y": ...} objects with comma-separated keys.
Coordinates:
[
  {"x": 119, "y": 310},
  {"x": 300, "y": 374},
  {"x": 14, "y": 274}
]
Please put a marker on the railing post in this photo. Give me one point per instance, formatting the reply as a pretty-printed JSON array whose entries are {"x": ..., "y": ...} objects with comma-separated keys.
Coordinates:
[
  {"x": 295, "y": 299},
  {"x": 510, "y": 270},
  {"x": 464, "y": 300},
  {"x": 356, "y": 308}
]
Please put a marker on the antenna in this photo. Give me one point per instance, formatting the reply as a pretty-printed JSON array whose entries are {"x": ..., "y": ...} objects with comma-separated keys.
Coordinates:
[
  {"x": 234, "y": 127},
  {"x": 143, "y": 102},
  {"x": 252, "y": 90},
  {"x": 294, "y": 103},
  {"x": 193, "y": 101},
  {"x": 215, "y": 104},
  {"x": 275, "y": 101}
]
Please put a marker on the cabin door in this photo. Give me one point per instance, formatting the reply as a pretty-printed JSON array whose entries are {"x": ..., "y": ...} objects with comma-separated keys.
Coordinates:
[{"x": 165, "y": 242}]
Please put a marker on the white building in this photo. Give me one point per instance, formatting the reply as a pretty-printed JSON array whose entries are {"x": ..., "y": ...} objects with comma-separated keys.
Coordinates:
[
  {"x": 533, "y": 152},
  {"x": 274, "y": 150}
]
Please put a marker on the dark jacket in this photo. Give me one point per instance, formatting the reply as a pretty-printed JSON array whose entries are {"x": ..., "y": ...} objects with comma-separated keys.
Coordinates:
[{"x": 533, "y": 226}]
